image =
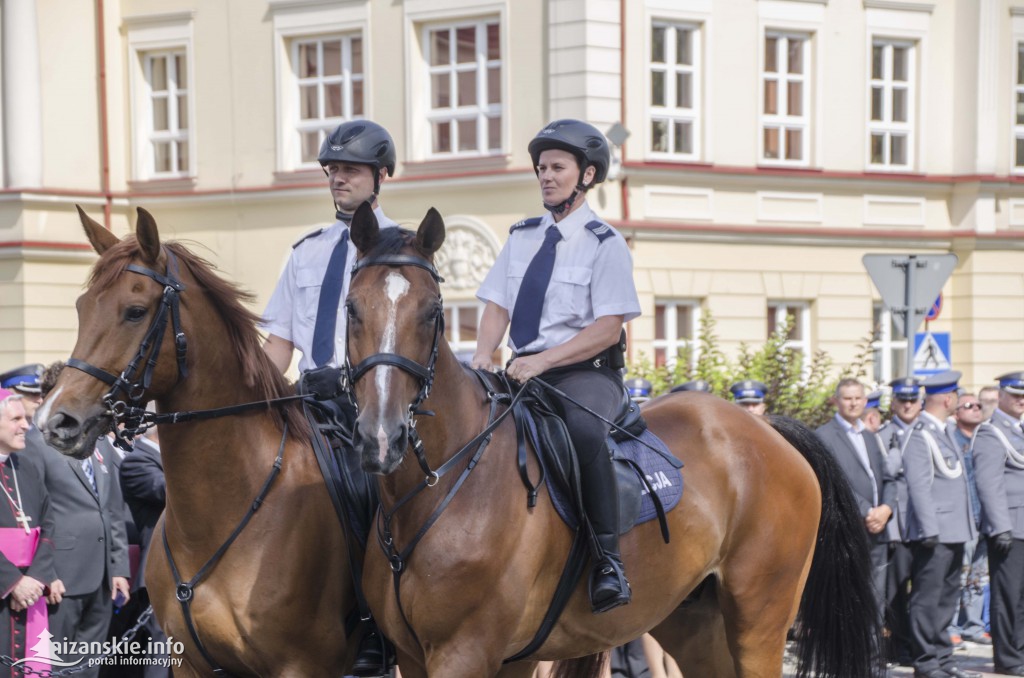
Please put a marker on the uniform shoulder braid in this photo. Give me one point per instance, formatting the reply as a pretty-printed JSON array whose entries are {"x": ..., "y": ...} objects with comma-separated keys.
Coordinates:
[
  {"x": 307, "y": 237},
  {"x": 601, "y": 230},
  {"x": 532, "y": 222}
]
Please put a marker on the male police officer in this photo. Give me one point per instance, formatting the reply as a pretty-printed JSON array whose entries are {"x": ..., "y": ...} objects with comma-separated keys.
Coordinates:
[
  {"x": 939, "y": 521},
  {"x": 999, "y": 473},
  {"x": 24, "y": 381},
  {"x": 749, "y": 394},
  {"x": 304, "y": 311}
]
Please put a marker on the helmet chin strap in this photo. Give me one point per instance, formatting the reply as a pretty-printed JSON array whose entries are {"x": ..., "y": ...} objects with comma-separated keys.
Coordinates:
[{"x": 560, "y": 208}]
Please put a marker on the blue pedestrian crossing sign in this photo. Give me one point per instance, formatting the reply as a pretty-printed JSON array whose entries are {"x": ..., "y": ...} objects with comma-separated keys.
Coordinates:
[{"x": 931, "y": 353}]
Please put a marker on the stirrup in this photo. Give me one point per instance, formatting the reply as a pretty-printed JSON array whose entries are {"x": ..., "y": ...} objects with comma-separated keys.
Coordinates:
[
  {"x": 606, "y": 568},
  {"x": 374, "y": 657}
]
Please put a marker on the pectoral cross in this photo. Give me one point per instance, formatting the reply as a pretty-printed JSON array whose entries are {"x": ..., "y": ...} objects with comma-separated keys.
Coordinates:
[{"x": 23, "y": 519}]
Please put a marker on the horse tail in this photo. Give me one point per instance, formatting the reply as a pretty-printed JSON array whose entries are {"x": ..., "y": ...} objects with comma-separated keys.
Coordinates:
[
  {"x": 590, "y": 666},
  {"x": 837, "y": 631}
]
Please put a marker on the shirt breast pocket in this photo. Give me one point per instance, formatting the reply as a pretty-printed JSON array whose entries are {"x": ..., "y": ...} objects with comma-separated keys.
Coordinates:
[
  {"x": 308, "y": 297},
  {"x": 569, "y": 292}
]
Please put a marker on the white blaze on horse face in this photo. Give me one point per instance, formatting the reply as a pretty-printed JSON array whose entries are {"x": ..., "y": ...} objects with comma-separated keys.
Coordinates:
[
  {"x": 43, "y": 413},
  {"x": 396, "y": 286}
]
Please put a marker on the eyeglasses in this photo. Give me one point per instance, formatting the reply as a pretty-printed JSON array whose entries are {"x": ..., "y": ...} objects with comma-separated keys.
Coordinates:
[{"x": 969, "y": 406}]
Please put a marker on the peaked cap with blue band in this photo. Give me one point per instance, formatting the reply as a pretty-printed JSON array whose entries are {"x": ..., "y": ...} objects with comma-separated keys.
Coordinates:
[
  {"x": 906, "y": 388},
  {"x": 24, "y": 379},
  {"x": 874, "y": 399},
  {"x": 1012, "y": 383},
  {"x": 695, "y": 385},
  {"x": 638, "y": 387},
  {"x": 943, "y": 382},
  {"x": 748, "y": 391}
]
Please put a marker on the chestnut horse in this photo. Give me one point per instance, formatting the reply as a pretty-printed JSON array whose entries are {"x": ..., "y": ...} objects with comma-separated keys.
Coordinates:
[
  {"x": 274, "y": 603},
  {"x": 473, "y": 568}
]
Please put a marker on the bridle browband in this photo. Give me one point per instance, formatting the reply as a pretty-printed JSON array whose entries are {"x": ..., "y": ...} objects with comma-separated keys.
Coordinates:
[
  {"x": 136, "y": 378},
  {"x": 423, "y": 373}
]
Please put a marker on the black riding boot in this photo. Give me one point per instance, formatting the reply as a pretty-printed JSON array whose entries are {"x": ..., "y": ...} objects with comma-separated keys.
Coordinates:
[
  {"x": 608, "y": 585},
  {"x": 374, "y": 657}
]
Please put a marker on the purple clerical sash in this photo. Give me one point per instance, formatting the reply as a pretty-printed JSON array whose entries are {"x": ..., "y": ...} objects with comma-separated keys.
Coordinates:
[{"x": 20, "y": 547}]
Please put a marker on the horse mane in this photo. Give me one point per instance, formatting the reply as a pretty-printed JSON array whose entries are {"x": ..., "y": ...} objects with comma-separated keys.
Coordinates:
[
  {"x": 229, "y": 301},
  {"x": 392, "y": 241}
]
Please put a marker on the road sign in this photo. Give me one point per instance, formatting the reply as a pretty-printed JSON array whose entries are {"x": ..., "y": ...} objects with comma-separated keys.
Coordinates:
[
  {"x": 935, "y": 310},
  {"x": 931, "y": 353},
  {"x": 908, "y": 283}
]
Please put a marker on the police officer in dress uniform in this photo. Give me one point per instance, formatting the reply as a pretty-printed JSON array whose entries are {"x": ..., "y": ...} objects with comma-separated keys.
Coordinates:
[
  {"x": 749, "y": 394},
  {"x": 939, "y": 521},
  {"x": 999, "y": 473},
  {"x": 24, "y": 381},
  {"x": 563, "y": 285},
  {"x": 905, "y": 407},
  {"x": 872, "y": 416},
  {"x": 304, "y": 311},
  {"x": 695, "y": 385}
]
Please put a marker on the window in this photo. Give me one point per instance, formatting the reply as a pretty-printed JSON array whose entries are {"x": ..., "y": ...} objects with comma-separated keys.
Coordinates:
[
  {"x": 460, "y": 325},
  {"x": 796, "y": 314},
  {"x": 675, "y": 90},
  {"x": 785, "y": 101},
  {"x": 675, "y": 330},
  {"x": 464, "y": 106},
  {"x": 165, "y": 150},
  {"x": 1018, "y": 112},
  {"x": 889, "y": 355},
  {"x": 891, "y": 127},
  {"x": 328, "y": 74}
]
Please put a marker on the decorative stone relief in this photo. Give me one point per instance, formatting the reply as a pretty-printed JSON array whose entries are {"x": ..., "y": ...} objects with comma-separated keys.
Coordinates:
[{"x": 467, "y": 255}]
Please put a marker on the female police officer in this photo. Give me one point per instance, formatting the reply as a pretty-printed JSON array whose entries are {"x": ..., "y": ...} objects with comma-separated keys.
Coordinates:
[{"x": 564, "y": 283}]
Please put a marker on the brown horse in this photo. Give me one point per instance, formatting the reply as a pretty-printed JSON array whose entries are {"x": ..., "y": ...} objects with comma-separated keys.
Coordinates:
[
  {"x": 477, "y": 568},
  {"x": 274, "y": 603}
]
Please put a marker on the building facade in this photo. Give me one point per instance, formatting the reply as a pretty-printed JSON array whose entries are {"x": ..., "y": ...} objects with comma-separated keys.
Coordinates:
[{"x": 763, "y": 147}]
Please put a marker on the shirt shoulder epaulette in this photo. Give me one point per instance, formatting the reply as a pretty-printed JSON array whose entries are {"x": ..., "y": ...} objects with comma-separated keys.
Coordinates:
[
  {"x": 601, "y": 230},
  {"x": 526, "y": 223},
  {"x": 308, "y": 236},
  {"x": 919, "y": 426}
]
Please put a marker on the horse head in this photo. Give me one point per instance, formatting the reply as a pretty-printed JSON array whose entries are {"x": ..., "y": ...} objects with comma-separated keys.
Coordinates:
[
  {"x": 118, "y": 315},
  {"x": 395, "y": 326}
]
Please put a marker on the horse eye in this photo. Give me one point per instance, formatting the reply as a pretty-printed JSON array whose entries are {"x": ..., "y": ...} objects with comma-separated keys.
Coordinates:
[
  {"x": 135, "y": 313},
  {"x": 350, "y": 309}
]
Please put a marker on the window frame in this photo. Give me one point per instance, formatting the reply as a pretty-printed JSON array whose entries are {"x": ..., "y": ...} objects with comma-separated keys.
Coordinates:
[
  {"x": 784, "y": 122},
  {"x": 174, "y": 134},
  {"x": 453, "y": 327},
  {"x": 482, "y": 111},
  {"x": 884, "y": 347},
  {"x": 1017, "y": 102},
  {"x": 887, "y": 127},
  {"x": 802, "y": 311},
  {"x": 672, "y": 344},
  {"x": 675, "y": 114}
]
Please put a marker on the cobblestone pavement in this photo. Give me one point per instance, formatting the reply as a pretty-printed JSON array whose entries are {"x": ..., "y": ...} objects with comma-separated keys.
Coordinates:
[{"x": 970, "y": 657}]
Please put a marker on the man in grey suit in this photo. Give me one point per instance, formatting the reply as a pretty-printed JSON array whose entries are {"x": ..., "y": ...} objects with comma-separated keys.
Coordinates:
[
  {"x": 90, "y": 542},
  {"x": 999, "y": 474},
  {"x": 939, "y": 521},
  {"x": 863, "y": 463}
]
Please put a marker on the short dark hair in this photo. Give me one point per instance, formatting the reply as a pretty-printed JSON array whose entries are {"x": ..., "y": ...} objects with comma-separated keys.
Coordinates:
[{"x": 849, "y": 381}]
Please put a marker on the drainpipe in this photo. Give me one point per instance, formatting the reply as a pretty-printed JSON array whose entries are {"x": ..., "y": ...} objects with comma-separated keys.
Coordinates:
[
  {"x": 101, "y": 66},
  {"x": 623, "y": 179}
]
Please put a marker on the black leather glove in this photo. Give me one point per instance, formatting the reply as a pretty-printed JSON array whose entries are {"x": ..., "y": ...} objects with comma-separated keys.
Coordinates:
[
  {"x": 323, "y": 383},
  {"x": 1003, "y": 540},
  {"x": 930, "y": 542}
]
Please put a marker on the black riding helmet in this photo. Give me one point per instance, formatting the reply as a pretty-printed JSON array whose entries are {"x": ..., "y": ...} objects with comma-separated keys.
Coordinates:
[
  {"x": 360, "y": 142},
  {"x": 579, "y": 138}
]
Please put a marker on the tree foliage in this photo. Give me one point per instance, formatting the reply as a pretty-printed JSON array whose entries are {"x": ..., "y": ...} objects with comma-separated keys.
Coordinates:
[{"x": 795, "y": 389}]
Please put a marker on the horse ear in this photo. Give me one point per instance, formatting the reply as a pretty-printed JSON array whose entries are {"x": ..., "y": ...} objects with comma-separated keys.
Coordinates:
[
  {"x": 430, "y": 235},
  {"x": 148, "y": 236},
  {"x": 100, "y": 238},
  {"x": 364, "y": 228}
]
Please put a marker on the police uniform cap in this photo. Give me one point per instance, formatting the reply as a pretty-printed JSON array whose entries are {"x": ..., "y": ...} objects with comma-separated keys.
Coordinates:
[
  {"x": 874, "y": 399},
  {"x": 1012, "y": 382},
  {"x": 748, "y": 391},
  {"x": 943, "y": 382},
  {"x": 695, "y": 385},
  {"x": 906, "y": 388},
  {"x": 24, "y": 379},
  {"x": 638, "y": 387}
]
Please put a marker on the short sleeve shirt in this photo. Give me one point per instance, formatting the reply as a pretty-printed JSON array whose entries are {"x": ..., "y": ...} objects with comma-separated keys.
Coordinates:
[
  {"x": 291, "y": 311},
  {"x": 591, "y": 278}
]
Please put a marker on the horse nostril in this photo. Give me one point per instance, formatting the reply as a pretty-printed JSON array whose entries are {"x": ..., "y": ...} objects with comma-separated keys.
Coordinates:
[{"x": 63, "y": 425}]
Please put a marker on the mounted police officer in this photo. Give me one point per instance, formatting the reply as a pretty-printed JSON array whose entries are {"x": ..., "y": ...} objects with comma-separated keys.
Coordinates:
[
  {"x": 563, "y": 284},
  {"x": 939, "y": 521},
  {"x": 305, "y": 310},
  {"x": 999, "y": 473}
]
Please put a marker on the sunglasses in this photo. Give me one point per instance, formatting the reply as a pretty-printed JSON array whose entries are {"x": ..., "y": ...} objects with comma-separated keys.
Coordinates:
[{"x": 969, "y": 406}]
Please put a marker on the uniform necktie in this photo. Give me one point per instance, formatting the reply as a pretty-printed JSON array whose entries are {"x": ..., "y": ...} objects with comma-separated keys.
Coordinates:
[
  {"x": 327, "y": 307},
  {"x": 530, "y": 302},
  {"x": 90, "y": 473}
]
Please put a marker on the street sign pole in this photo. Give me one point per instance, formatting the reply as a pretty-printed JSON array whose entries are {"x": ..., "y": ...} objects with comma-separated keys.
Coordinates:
[{"x": 911, "y": 313}]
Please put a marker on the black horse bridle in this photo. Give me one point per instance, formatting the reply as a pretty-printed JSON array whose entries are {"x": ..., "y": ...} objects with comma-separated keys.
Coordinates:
[
  {"x": 136, "y": 378},
  {"x": 423, "y": 373}
]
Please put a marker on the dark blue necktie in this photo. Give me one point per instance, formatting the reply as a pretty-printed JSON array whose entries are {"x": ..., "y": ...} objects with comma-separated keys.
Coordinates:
[
  {"x": 530, "y": 302},
  {"x": 327, "y": 307}
]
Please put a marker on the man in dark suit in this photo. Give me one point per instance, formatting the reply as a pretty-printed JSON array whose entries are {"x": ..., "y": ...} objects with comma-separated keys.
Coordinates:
[
  {"x": 939, "y": 521},
  {"x": 90, "y": 543},
  {"x": 999, "y": 472},
  {"x": 863, "y": 462}
]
